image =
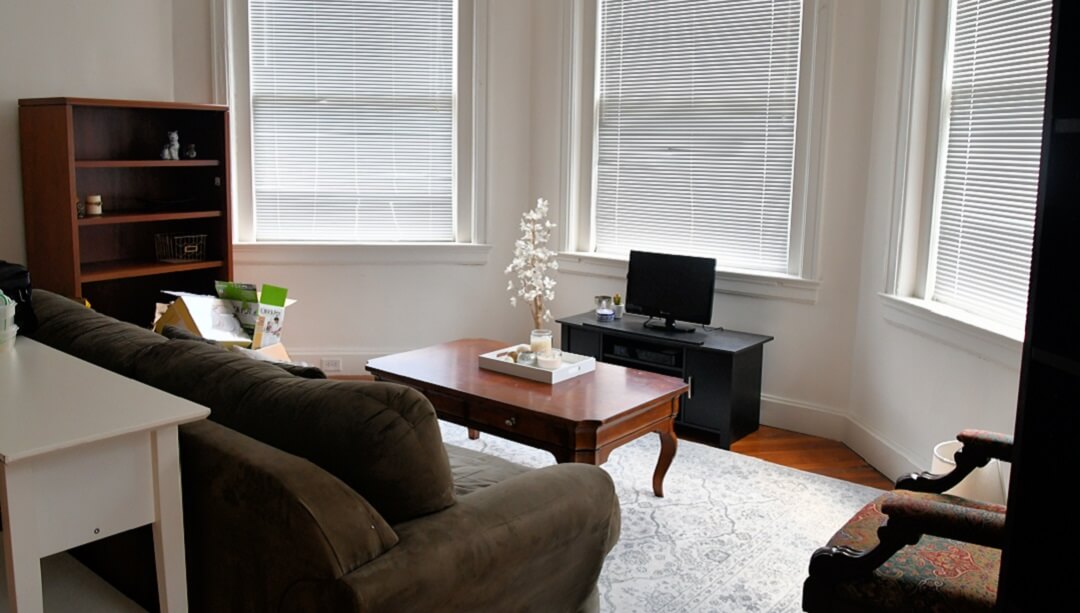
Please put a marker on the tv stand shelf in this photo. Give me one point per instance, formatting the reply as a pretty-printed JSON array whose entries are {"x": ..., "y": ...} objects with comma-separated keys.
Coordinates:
[{"x": 723, "y": 368}]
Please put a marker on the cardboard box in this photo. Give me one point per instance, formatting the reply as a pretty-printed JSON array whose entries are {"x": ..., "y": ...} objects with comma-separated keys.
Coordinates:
[{"x": 220, "y": 320}]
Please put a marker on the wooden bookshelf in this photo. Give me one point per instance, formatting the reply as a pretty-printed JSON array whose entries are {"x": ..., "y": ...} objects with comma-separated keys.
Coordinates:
[
  {"x": 145, "y": 163},
  {"x": 129, "y": 269},
  {"x": 119, "y": 218},
  {"x": 74, "y": 147}
]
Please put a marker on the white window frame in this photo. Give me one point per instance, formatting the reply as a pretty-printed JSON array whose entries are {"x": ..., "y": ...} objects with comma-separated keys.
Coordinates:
[
  {"x": 921, "y": 121},
  {"x": 577, "y": 228},
  {"x": 231, "y": 86}
]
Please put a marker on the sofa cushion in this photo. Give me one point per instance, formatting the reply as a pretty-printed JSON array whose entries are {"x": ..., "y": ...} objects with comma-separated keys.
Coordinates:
[
  {"x": 86, "y": 334},
  {"x": 206, "y": 374},
  {"x": 300, "y": 370},
  {"x": 227, "y": 465},
  {"x": 306, "y": 371},
  {"x": 381, "y": 439},
  {"x": 474, "y": 470}
]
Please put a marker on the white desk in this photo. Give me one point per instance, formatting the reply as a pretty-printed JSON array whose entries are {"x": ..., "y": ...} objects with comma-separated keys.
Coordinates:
[{"x": 85, "y": 454}]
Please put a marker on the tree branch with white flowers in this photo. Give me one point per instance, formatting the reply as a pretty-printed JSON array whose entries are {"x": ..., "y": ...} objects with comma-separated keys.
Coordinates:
[{"x": 532, "y": 263}]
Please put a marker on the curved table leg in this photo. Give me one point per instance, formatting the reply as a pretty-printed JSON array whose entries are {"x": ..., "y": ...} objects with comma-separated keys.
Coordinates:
[{"x": 668, "y": 445}]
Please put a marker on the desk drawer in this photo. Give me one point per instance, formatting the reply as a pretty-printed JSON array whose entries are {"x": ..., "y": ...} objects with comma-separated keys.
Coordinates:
[{"x": 518, "y": 422}]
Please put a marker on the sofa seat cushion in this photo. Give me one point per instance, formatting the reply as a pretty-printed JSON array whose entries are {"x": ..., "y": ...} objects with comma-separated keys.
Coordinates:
[
  {"x": 935, "y": 574},
  {"x": 474, "y": 471},
  {"x": 88, "y": 335}
]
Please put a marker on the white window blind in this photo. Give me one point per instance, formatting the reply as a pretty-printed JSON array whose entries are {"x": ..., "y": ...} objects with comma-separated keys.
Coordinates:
[
  {"x": 352, "y": 119},
  {"x": 696, "y": 128},
  {"x": 989, "y": 178}
]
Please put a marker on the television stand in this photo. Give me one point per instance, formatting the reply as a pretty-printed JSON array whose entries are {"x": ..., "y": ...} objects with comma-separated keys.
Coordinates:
[
  {"x": 723, "y": 368},
  {"x": 689, "y": 337}
]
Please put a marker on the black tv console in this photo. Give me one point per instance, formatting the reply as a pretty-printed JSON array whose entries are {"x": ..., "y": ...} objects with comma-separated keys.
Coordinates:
[{"x": 723, "y": 368}]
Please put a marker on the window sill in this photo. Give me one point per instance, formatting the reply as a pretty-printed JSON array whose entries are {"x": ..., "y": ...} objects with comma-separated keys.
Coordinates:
[
  {"x": 955, "y": 328},
  {"x": 756, "y": 285},
  {"x": 315, "y": 254}
]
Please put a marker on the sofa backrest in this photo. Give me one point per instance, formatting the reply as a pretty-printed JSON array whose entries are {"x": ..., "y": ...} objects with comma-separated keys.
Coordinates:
[
  {"x": 76, "y": 330},
  {"x": 381, "y": 439}
]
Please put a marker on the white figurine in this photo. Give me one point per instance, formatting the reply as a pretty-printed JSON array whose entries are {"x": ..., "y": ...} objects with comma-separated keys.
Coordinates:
[{"x": 172, "y": 149}]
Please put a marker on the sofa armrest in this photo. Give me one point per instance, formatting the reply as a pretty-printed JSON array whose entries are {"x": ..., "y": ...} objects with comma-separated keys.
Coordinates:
[
  {"x": 534, "y": 542},
  {"x": 260, "y": 523}
]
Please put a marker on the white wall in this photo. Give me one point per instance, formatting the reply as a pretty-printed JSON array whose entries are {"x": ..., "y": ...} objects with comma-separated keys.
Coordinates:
[
  {"x": 100, "y": 49},
  {"x": 836, "y": 368},
  {"x": 909, "y": 391},
  {"x": 359, "y": 311},
  {"x": 808, "y": 367}
]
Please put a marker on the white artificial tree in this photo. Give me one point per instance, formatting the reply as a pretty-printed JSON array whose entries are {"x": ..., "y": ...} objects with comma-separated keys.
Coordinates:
[{"x": 532, "y": 263}]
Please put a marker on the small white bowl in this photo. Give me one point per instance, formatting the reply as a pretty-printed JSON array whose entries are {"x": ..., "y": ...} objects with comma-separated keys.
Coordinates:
[{"x": 549, "y": 359}]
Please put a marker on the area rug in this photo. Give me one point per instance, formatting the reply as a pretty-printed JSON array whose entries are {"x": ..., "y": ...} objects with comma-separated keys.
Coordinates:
[{"x": 732, "y": 533}]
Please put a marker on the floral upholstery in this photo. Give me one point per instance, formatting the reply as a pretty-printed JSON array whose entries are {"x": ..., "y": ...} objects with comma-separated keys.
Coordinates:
[
  {"x": 993, "y": 444},
  {"x": 936, "y": 574}
]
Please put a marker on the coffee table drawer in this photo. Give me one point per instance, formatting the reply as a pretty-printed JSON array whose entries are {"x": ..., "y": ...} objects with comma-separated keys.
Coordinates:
[
  {"x": 446, "y": 405},
  {"x": 509, "y": 421}
]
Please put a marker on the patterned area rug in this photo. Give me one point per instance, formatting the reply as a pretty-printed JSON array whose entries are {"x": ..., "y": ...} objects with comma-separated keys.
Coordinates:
[{"x": 733, "y": 533}]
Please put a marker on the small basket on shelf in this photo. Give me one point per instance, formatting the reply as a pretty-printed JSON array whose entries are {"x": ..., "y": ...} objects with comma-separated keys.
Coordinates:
[{"x": 177, "y": 248}]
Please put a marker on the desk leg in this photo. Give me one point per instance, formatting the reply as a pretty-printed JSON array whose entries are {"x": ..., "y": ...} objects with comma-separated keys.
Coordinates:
[
  {"x": 20, "y": 538},
  {"x": 169, "y": 527},
  {"x": 668, "y": 446}
]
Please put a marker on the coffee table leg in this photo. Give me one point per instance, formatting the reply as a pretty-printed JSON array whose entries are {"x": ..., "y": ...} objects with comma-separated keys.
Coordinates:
[
  {"x": 473, "y": 434},
  {"x": 668, "y": 446}
]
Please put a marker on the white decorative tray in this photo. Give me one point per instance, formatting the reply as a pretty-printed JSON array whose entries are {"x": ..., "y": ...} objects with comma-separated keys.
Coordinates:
[{"x": 572, "y": 366}]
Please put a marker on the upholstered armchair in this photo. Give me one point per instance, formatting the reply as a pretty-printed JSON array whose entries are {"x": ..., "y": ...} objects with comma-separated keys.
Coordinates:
[{"x": 915, "y": 548}]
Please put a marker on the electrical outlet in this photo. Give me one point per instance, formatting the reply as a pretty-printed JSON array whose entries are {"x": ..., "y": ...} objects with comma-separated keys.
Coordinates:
[{"x": 330, "y": 364}]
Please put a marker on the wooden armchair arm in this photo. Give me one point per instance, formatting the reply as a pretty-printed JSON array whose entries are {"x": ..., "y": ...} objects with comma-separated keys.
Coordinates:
[
  {"x": 908, "y": 519},
  {"x": 979, "y": 448}
]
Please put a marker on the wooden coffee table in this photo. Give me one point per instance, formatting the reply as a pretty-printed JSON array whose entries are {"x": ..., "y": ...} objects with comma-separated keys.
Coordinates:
[{"x": 580, "y": 420}]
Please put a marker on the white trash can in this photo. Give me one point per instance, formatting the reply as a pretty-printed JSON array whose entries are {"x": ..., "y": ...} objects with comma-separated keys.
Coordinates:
[{"x": 988, "y": 484}]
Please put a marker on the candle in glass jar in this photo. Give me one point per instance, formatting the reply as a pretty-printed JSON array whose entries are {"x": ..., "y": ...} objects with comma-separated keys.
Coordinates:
[
  {"x": 540, "y": 341},
  {"x": 93, "y": 204}
]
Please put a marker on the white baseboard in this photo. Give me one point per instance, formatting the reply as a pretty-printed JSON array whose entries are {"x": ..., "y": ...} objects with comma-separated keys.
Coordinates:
[
  {"x": 889, "y": 459},
  {"x": 803, "y": 417},
  {"x": 353, "y": 360},
  {"x": 817, "y": 420}
]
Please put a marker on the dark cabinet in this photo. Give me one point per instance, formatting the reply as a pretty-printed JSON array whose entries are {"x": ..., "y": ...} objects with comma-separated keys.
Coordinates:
[
  {"x": 723, "y": 369},
  {"x": 1047, "y": 420}
]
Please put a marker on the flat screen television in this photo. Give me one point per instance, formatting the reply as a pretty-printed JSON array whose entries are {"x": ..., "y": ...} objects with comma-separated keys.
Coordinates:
[{"x": 671, "y": 287}]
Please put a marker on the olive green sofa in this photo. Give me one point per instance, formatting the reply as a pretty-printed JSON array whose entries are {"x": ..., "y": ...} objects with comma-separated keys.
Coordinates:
[{"x": 318, "y": 495}]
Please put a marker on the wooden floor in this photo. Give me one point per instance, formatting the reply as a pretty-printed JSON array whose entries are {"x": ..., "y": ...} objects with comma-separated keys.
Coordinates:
[{"x": 812, "y": 454}]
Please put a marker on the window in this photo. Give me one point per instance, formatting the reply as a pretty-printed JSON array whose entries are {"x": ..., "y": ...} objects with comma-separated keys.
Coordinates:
[
  {"x": 352, "y": 114},
  {"x": 987, "y": 181},
  {"x": 695, "y": 130}
]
